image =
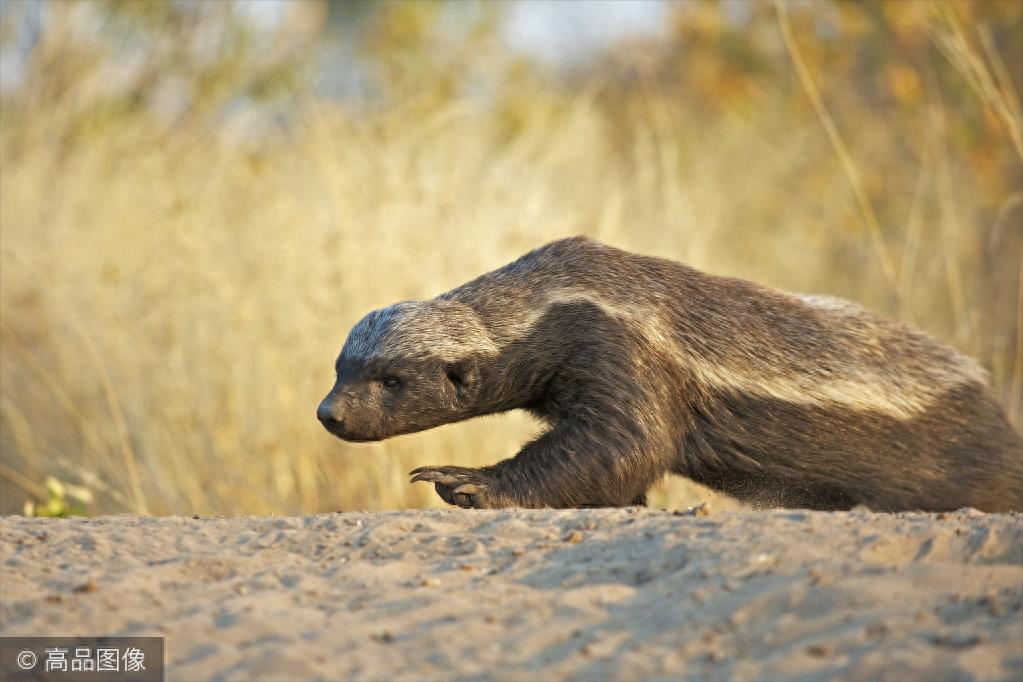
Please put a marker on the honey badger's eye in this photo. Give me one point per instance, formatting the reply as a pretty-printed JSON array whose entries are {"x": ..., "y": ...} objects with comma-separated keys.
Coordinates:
[{"x": 392, "y": 383}]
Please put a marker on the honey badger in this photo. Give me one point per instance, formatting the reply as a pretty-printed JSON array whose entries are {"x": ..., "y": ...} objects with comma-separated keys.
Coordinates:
[{"x": 642, "y": 366}]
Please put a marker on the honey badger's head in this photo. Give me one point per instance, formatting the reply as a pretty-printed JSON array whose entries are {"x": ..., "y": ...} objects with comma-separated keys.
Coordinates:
[{"x": 404, "y": 368}]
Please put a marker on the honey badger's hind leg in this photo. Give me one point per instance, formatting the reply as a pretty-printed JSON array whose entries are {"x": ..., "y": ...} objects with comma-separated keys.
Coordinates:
[{"x": 461, "y": 486}]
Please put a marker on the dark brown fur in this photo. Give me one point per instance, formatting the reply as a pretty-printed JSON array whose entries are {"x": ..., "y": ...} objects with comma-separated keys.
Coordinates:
[{"x": 643, "y": 366}]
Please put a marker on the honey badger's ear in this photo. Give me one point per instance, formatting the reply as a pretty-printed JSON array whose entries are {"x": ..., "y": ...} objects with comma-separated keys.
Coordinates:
[
  {"x": 462, "y": 376},
  {"x": 455, "y": 375}
]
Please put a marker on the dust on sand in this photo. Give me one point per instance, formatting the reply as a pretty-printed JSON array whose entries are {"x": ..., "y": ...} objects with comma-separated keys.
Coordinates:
[{"x": 592, "y": 594}]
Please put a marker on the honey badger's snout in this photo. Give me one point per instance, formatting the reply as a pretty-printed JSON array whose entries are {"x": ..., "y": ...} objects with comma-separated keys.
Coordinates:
[
  {"x": 348, "y": 417},
  {"x": 331, "y": 415}
]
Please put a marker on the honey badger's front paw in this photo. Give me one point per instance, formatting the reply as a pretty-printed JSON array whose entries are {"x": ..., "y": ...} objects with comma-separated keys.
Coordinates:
[{"x": 468, "y": 488}]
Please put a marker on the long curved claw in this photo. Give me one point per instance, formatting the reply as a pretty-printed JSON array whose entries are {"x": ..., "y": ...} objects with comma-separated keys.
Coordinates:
[
  {"x": 461, "y": 486},
  {"x": 448, "y": 475},
  {"x": 434, "y": 476}
]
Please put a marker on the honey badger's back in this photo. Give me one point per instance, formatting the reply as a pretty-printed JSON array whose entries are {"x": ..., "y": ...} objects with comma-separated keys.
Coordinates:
[
  {"x": 819, "y": 403},
  {"x": 774, "y": 397}
]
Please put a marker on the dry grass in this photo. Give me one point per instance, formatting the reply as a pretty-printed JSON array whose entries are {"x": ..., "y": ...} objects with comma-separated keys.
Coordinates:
[{"x": 173, "y": 298}]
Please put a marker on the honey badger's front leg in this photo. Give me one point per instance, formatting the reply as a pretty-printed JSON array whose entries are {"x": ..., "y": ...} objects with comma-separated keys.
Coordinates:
[
  {"x": 463, "y": 486},
  {"x": 572, "y": 465}
]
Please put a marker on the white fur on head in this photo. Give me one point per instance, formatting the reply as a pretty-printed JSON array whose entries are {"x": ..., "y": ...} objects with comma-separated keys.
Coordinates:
[{"x": 437, "y": 328}]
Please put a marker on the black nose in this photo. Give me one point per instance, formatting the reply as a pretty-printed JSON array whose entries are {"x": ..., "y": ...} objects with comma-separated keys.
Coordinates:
[{"x": 328, "y": 415}]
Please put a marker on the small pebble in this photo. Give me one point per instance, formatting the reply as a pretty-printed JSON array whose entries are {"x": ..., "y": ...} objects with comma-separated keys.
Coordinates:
[
  {"x": 819, "y": 650},
  {"x": 574, "y": 537}
]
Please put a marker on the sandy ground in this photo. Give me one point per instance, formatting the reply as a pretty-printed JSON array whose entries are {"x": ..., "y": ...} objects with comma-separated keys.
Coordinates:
[{"x": 594, "y": 594}]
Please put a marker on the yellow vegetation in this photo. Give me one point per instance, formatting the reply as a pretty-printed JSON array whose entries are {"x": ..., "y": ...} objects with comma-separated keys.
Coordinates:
[{"x": 175, "y": 286}]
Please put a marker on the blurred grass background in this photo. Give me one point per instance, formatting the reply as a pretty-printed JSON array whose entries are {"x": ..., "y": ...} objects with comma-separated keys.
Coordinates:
[{"x": 199, "y": 200}]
